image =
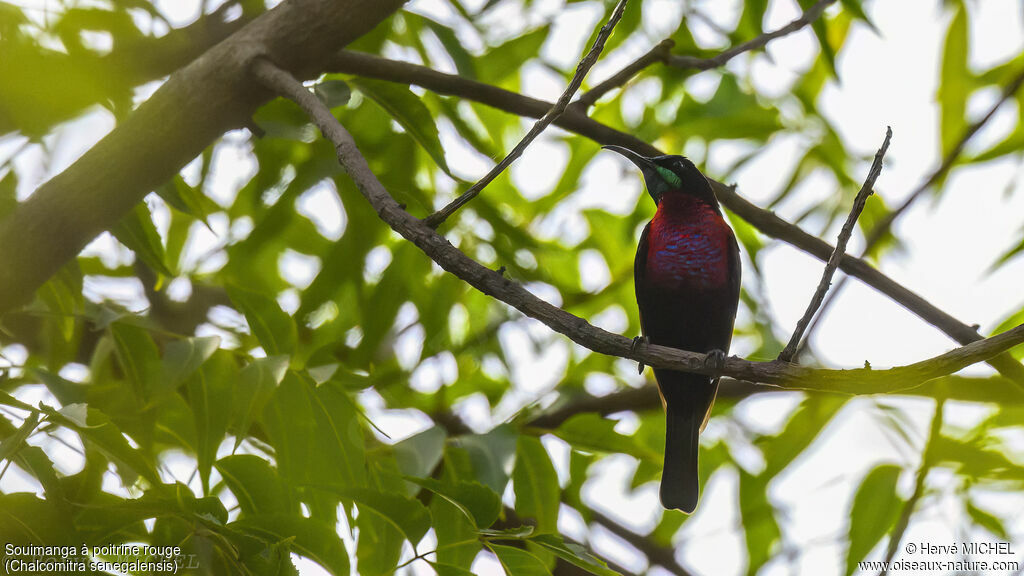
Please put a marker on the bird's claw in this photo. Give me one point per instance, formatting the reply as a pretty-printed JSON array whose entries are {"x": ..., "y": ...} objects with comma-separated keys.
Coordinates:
[
  {"x": 636, "y": 342},
  {"x": 715, "y": 359}
]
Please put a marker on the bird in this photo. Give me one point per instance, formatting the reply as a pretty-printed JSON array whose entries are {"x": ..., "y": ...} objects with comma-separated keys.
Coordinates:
[{"x": 687, "y": 274}]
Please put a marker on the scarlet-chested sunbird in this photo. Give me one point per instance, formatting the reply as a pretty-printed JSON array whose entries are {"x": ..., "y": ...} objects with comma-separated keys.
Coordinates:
[{"x": 687, "y": 273}]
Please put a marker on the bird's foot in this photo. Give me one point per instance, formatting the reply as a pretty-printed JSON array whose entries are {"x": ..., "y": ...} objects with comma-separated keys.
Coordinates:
[
  {"x": 715, "y": 359},
  {"x": 636, "y": 342}
]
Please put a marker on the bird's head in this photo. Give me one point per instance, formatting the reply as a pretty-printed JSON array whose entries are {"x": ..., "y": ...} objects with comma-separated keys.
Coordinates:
[{"x": 667, "y": 174}]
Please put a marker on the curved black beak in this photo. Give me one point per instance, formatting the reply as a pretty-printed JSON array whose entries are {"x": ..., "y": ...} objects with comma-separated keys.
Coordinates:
[{"x": 646, "y": 166}]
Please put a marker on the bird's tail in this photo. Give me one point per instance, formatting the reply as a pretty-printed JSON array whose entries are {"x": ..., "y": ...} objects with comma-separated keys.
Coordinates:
[{"x": 680, "y": 483}]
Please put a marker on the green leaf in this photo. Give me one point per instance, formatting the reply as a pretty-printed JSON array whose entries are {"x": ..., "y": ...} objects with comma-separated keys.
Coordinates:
[
  {"x": 408, "y": 515},
  {"x": 731, "y": 113},
  {"x": 16, "y": 441},
  {"x": 518, "y": 562},
  {"x": 491, "y": 455},
  {"x": 8, "y": 191},
  {"x": 952, "y": 83},
  {"x": 137, "y": 232},
  {"x": 574, "y": 554},
  {"x": 1012, "y": 144},
  {"x": 138, "y": 355},
  {"x": 504, "y": 60},
  {"x": 821, "y": 31},
  {"x": 100, "y": 432},
  {"x": 592, "y": 432},
  {"x": 256, "y": 485},
  {"x": 477, "y": 502},
  {"x": 579, "y": 464},
  {"x": 536, "y": 484},
  {"x": 513, "y": 533},
  {"x": 27, "y": 519},
  {"x": 256, "y": 384},
  {"x": 63, "y": 295},
  {"x": 183, "y": 357},
  {"x": 803, "y": 426},
  {"x": 761, "y": 530},
  {"x": 464, "y": 61},
  {"x": 449, "y": 570},
  {"x": 185, "y": 199},
  {"x": 875, "y": 508},
  {"x": 316, "y": 432},
  {"x": 210, "y": 392},
  {"x": 274, "y": 329},
  {"x": 66, "y": 391},
  {"x": 419, "y": 454},
  {"x": 333, "y": 93},
  {"x": 988, "y": 521},
  {"x": 409, "y": 111},
  {"x": 751, "y": 21},
  {"x": 305, "y": 536},
  {"x": 857, "y": 11}
]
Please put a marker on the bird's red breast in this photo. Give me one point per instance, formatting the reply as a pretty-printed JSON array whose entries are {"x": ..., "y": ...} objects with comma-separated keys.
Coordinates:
[{"x": 688, "y": 245}]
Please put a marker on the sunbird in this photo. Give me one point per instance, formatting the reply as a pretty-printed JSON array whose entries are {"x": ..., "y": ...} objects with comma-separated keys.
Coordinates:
[{"x": 687, "y": 274}]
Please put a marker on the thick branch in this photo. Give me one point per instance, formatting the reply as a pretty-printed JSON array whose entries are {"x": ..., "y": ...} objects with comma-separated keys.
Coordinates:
[
  {"x": 191, "y": 110},
  {"x": 441, "y": 251},
  {"x": 833, "y": 261},
  {"x": 765, "y": 221},
  {"x": 437, "y": 218}
]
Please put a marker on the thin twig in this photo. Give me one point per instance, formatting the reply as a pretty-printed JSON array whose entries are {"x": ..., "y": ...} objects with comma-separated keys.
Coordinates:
[
  {"x": 441, "y": 251},
  {"x": 833, "y": 262},
  {"x": 879, "y": 230},
  {"x": 763, "y": 220},
  {"x": 659, "y": 53},
  {"x": 809, "y": 16},
  {"x": 437, "y": 218},
  {"x": 927, "y": 459}
]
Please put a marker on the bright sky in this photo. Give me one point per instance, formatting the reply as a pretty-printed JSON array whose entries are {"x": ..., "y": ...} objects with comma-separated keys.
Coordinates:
[{"x": 888, "y": 79}]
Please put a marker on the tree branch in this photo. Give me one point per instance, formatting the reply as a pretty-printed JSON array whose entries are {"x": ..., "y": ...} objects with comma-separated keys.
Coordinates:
[
  {"x": 992, "y": 390},
  {"x": 833, "y": 261},
  {"x": 809, "y": 16},
  {"x": 656, "y": 554},
  {"x": 661, "y": 53},
  {"x": 191, "y": 110},
  {"x": 767, "y": 222},
  {"x": 862, "y": 380},
  {"x": 885, "y": 224},
  {"x": 437, "y": 218}
]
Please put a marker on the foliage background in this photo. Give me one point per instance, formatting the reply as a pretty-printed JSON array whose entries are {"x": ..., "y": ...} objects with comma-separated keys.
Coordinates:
[{"x": 251, "y": 365}]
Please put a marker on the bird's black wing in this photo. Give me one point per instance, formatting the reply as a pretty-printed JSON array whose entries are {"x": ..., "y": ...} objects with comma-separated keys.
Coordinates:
[
  {"x": 735, "y": 273},
  {"x": 639, "y": 271}
]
